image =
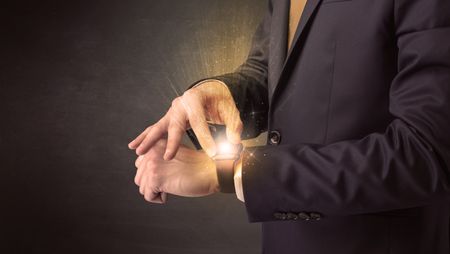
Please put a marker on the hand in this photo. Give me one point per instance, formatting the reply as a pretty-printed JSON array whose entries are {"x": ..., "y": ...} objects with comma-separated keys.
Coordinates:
[
  {"x": 191, "y": 174},
  {"x": 210, "y": 101}
]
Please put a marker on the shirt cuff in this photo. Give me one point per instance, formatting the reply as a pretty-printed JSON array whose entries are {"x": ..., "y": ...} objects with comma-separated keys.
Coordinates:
[
  {"x": 201, "y": 82},
  {"x": 238, "y": 180}
]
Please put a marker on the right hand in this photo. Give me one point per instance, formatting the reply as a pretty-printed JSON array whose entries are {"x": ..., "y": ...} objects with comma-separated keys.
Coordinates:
[{"x": 209, "y": 102}]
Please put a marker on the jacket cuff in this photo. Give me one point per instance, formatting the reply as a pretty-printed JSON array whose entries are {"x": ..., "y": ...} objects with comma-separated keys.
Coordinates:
[{"x": 256, "y": 170}]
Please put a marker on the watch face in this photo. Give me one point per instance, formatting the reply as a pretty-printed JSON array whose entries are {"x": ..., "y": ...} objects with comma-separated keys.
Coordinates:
[{"x": 228, "y": 151}]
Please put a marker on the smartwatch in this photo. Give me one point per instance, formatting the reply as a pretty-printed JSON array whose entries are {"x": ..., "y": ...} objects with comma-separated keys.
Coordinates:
[{"x": 225, "y": 158}]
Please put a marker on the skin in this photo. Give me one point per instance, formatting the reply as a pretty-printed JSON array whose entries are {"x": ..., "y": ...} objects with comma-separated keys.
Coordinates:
[
  {"x": 166, "y": 166},
  {"x": 190, "y": 174}
]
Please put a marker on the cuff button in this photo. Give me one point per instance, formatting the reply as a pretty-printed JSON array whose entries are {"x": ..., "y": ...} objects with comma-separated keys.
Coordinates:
[
  {"x": 280, "y": 216},
  {"x": 315, "y": 216},
  {"x": 274, "y": 137},
  {"x": 303, "y": 216},
  {"x": 292, "y": 216}
]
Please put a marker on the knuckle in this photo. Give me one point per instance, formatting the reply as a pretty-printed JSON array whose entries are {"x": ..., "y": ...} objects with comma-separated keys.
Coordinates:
[
  {"x": 136, "y": 180},
  {"x": 176, "y": 102},
  {"x": 190, "y": 93},
  {"x": 137, "y": 161}
]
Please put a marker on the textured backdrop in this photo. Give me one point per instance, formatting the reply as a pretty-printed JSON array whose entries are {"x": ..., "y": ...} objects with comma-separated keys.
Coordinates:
[{"x": 78, "y": 80}]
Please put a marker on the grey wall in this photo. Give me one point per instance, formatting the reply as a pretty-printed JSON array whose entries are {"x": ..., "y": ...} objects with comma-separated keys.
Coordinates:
[{"x": 78, "y": 80}]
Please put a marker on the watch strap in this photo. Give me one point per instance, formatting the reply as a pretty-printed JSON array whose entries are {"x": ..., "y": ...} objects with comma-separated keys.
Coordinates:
[{"x": 225, "y": 175}]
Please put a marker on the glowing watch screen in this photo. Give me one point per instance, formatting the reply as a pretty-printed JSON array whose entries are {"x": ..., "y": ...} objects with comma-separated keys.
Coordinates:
[{"x": 228, "y": 151}]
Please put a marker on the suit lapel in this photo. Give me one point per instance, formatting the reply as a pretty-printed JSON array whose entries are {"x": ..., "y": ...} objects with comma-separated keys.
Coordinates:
[{"x": 310, "y": 7}]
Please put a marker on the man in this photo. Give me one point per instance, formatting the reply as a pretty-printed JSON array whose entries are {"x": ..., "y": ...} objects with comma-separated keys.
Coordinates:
[{"x": 358, "y": 116}]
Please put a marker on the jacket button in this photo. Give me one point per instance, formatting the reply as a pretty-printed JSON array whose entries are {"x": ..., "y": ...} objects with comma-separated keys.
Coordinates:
[
  {"x": 280, "y": 216},
  {"x": 315, "y": 216},
  {"x": 274, "y": 137},
  {"x": 303, "y": 216}
]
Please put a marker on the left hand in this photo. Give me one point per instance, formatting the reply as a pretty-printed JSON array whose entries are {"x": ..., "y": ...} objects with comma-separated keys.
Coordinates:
[
  {"x": 209, "y": 102},
  {"x": 190, "y": 174}
]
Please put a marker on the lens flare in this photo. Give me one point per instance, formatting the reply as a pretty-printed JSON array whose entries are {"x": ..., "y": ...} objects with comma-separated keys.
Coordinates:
[{"x": 226, "y": 148}]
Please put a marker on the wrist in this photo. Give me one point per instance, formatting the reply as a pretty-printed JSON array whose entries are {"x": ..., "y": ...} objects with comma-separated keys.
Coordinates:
[
  {"x": 215, "y": 187},
  {"x": 210, "y": 83},
  {"x": 212, "y": 87},
  {"x": 225, "y": 161}
]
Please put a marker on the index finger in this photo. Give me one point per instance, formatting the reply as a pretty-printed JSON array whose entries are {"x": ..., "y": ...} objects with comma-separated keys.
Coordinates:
[
  {"x": 138, "y": 140},
  {"x": 197, "y": 120},
  {"x": 157, "y": 131},
  {"x": 233, "y": 123}
]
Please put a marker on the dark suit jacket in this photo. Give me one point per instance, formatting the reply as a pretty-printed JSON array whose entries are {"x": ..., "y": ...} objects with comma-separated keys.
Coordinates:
[{"x": 358, "y": 115}]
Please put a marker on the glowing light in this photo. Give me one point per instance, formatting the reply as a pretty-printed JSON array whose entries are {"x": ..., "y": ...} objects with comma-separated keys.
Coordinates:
[
  {"x": 226, "y": 148},
  {"x": 227, "y": 151}
]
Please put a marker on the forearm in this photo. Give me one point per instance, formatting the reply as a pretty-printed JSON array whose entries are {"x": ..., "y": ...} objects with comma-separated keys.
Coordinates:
[
  {"x": 407, "y": 165},
  {"x": 393, "y": 170}
]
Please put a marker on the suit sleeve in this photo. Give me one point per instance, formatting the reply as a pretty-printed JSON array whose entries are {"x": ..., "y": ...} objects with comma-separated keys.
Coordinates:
[
  {"x": 405, "y": 166},
  {"x": 248, "y": 83}
]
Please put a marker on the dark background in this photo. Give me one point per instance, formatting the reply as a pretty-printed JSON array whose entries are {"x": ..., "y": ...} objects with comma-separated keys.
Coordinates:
[{"x": 78, "y": 80}]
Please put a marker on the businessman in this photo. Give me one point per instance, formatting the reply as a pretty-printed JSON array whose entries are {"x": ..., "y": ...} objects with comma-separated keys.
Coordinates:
[{"x": 355, "y": 96}]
